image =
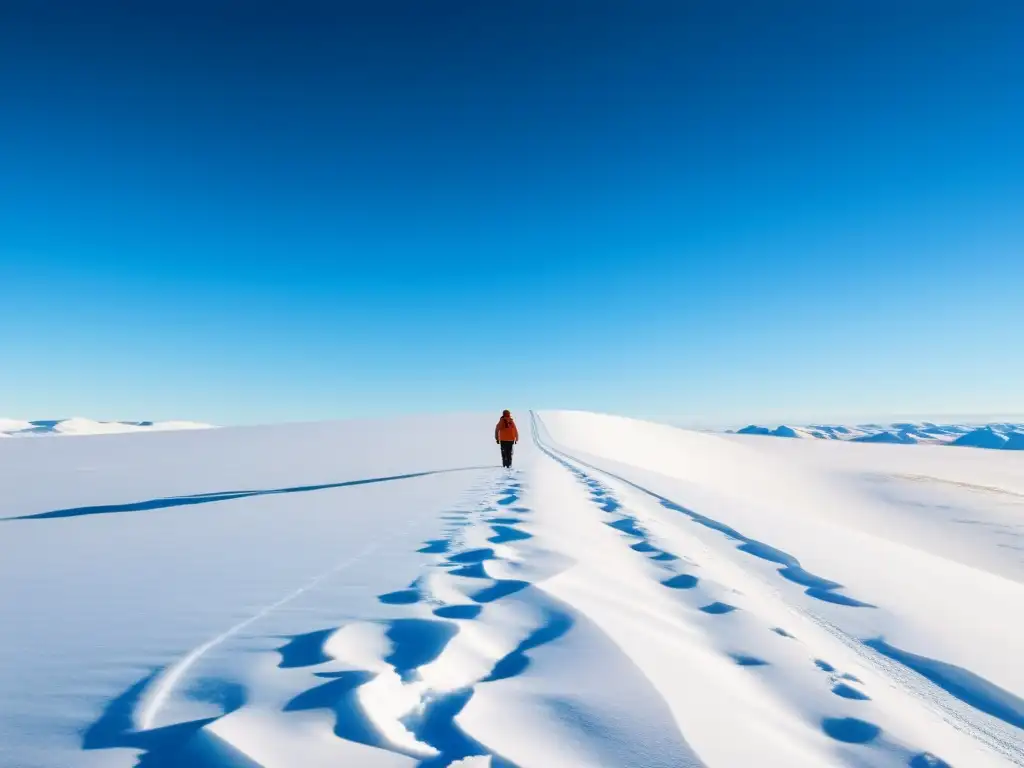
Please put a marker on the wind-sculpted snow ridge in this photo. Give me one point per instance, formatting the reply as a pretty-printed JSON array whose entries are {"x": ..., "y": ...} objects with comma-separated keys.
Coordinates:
[
  {"x": 1002, "y": 435},
  {"x": 81, "y": 426},
  {"x": 629, "y": 595}
]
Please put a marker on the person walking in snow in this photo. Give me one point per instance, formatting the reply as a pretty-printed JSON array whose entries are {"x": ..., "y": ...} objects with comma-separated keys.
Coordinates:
[{"x": 506, "y": 435}]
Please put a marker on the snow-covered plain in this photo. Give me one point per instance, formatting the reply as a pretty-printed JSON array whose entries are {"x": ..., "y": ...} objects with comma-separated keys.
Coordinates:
[
  {"x": 82, "y": 426},
  {"x": 632, "y": 594}
]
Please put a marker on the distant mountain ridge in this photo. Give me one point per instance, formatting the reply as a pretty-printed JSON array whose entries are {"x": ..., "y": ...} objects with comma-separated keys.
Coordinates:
[
  {"x": 81, "y": 426},
  {"x": 995, "y": 436}
]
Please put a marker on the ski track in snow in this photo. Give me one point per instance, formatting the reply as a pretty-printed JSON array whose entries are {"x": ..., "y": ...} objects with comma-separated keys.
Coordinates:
[
  {"x": 164, "y": 683},
  {"x": 404, "y": 701},
  {"x": 477, "y": 616},
  {"x": 426, "y": 729}
]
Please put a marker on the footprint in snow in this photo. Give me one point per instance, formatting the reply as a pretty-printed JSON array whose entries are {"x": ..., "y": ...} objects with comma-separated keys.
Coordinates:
[
  {"x": 503, "y": 534},
  {"x": 927, "y": 760},
  {"x": 718, "y": 609},
  {"x": 628, "y": 526},
  {"x": 416, "y": 642},
  {"x": 499, "y": 590},
  {"x": 849, "y": 692},
  {"x": 435, "y": 547},
  {"x": 682, "y": 581},
  {"x": 850, "y": 730},
  {"x": 471, "y": 571},
  {"x": 472, "y": 556},
  {"x": 665, "y": 557},
  {"x": 402, "y": 597},
  {"x": 748, "y": 661},
  {"x": 458, "y": 611},
  {"x": 305, "y": 650}
]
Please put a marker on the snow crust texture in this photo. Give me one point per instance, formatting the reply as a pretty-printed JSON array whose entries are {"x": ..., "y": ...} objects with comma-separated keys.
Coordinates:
[{"x": 630, "y": 594}]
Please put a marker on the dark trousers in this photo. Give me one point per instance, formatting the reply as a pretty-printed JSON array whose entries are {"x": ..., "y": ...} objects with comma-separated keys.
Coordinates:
[{"x": 506, "y": 453}]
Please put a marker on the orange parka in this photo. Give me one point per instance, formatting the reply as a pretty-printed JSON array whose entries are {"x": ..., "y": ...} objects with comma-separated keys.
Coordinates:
[{"x": 505, "y": 430}]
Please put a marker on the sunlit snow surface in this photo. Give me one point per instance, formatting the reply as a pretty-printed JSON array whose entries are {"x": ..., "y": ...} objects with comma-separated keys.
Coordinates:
[{"x": 381, "y": 594}]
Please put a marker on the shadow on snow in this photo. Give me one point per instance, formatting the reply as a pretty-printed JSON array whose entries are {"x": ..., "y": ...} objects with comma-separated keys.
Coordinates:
[
  {"x": 958, "y": 682},
  {"x": 209, "y": 498},
  {"x": 174, "y": 745}
]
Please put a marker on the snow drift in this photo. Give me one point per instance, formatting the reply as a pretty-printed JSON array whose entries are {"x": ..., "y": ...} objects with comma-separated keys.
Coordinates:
[{"x": 630, "y": 595}]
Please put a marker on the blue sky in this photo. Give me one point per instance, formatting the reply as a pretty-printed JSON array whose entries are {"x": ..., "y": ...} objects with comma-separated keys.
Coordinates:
[{"x": 251, "y": 211}]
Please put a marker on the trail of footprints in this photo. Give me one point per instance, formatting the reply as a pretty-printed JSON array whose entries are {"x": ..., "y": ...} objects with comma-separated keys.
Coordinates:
[
  {"x": 848, "y": 730},
  {"x": 457, "y": 588},
  {"x": 398, "y": 702},
  {"x": 386, "y": 704}
]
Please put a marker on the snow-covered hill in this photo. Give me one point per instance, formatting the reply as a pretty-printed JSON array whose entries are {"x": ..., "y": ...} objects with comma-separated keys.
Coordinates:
[
  {"x": 1003, "y": 435},
  {"x": 81, "y": 426},
  {"x": 383, "y": 594}
]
